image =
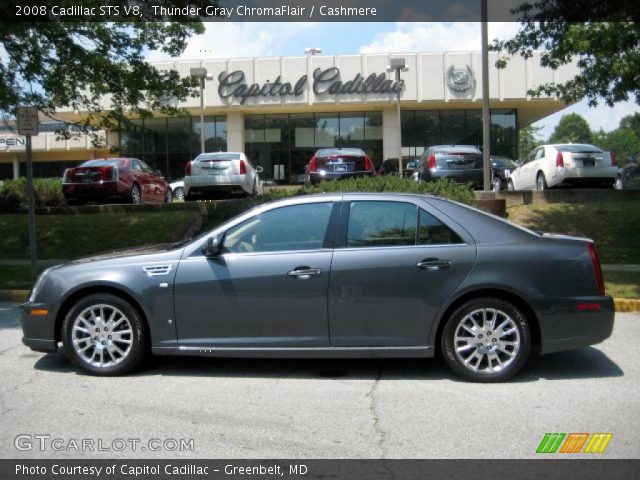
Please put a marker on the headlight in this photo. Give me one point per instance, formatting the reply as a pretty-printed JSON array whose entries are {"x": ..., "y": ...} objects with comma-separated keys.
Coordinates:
[{"x": 36, "y": 287}]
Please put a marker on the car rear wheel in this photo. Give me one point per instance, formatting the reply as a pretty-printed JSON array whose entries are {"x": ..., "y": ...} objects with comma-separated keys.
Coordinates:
[
  {"x": 135, "y": 196},
  {"x": 178, "y": 193},
  {"x": 541, "y": 182},
  {"x": 103, "y": 334},
  {"x": 486, "y": 340},
  {"x": 619, "y": 184}
]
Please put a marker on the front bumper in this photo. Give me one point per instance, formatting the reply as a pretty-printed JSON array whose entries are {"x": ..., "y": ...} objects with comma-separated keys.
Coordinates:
[
  {"x": 567, "y": 323},
  {"x": 38, "y": 330}
]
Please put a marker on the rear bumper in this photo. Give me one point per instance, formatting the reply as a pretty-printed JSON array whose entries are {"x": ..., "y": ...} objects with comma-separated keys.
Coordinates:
[
  {"x": 202, "y": 184},
  {"x": 459, "y": 176},
  {"x": 38, "y": 330},
  {"x": 111, "y": 189},
  {"x": 578, "y": 175},
  {"x": 317, "y": 177},
  {"x": 566, "y": 324}
]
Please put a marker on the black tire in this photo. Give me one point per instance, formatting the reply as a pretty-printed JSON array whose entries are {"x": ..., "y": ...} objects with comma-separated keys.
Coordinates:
[
  {"x": 541, "y": 182},
  {"x": 619, "y": 183},
  {"x": 179, "y": 193},
  {"x": 135, "y": 197},
  {"x": 486, "y": 370},
  {"x": 137, "y": 336}
]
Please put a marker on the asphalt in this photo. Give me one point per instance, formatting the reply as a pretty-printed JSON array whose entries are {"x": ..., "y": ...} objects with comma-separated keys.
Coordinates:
[{"x": 241, "y": 408}]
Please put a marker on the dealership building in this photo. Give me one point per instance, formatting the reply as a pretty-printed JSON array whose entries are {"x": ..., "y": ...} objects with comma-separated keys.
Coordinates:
[{"x": 279, "y": 110}]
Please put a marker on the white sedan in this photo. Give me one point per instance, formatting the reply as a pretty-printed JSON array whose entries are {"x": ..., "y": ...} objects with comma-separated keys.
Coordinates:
[
  {"x": 221, "y": 173},
  {"x": 564, "y": 164}
]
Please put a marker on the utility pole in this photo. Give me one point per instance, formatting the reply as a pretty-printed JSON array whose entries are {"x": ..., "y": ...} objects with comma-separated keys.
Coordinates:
[
  {"x": 397, "y": 65},
  {"x": 486, "y": 108}
]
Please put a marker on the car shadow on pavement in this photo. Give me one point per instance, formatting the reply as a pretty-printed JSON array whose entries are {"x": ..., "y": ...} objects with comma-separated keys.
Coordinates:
[{"x": 581, "y": 363}]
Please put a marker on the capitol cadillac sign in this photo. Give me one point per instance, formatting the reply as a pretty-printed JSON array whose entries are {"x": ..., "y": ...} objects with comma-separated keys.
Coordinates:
[{"x": 233, "y": 85}]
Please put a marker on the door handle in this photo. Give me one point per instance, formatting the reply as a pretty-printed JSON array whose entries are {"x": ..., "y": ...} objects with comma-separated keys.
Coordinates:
[
  {"x": 304, "y": 273},
  {"x": 433, "y": 264}
]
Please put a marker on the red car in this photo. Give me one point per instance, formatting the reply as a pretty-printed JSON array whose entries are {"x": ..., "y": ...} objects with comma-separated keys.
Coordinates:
[{"x": 115, "y": 179}]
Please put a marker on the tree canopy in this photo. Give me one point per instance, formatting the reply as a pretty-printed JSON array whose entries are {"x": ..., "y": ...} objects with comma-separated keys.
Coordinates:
[
  {"x": 604, "y": 46},
  {"x": 53, "y": 64},
  {"x": 572, "y": 128}
]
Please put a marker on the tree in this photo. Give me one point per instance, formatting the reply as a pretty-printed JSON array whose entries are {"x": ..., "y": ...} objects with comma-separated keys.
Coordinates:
[
  {"x": 604, "y": 47},
  {"x": 79, "y": 64},
  {"x": 631, "y": 122},
  {"x": 624, "y": 143},
  {"x": 572, "y": 128},
  {"x": 528, "y": 140}
]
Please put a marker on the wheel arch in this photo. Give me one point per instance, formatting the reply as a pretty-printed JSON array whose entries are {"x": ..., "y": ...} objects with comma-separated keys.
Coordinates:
[
  {"x": 502, "y": 294},
  {"x": 68, "y": 303}
]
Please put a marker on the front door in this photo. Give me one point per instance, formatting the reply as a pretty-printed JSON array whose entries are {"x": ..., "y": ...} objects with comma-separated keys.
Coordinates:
[
  {"x": 268, "y": 288},
  {"x": 397, "y": 265}
]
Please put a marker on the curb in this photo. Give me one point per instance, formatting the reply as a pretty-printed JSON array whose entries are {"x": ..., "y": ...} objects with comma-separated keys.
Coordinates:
[{"x": 623, "y": 305}]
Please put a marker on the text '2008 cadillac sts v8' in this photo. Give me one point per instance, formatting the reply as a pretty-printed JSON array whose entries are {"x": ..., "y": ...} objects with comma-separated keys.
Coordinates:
[{"x": 340, "y": 275}]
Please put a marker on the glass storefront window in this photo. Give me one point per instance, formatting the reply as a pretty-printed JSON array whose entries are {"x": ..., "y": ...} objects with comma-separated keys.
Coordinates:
[
  {"x": 327, "y": 129},
  {"x": 351, "y": 130},
  {"x": 215, "y": 134}
]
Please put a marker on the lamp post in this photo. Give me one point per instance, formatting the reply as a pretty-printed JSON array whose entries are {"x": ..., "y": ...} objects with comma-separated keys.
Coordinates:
[
  {"x": 486, "y": 111},
  {"x": 312, "y": 51},
  {"x": 201, "y": 73},
  {"x": 398, "y": 65}
]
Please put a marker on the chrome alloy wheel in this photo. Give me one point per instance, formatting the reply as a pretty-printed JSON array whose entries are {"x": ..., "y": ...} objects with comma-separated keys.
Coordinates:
[
  {"x": 102, "y": 335},
  {"x": 486, "y": 340}
]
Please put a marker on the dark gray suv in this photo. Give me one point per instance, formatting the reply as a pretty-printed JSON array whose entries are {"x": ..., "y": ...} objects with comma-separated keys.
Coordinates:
[{"x": 341, "y": 275}]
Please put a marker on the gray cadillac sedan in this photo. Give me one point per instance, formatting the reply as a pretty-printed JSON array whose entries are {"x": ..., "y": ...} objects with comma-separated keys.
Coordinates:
[{"x": 336, "y": 275}]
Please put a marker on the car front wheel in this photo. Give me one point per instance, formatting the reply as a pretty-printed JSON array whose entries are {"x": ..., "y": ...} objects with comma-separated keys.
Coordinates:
[
  {"x": 497, "y": 184},
  {"x": 486, "y": 340},
  {"x": 510, "y": 186},
  {"x": 104, "y": 335}
]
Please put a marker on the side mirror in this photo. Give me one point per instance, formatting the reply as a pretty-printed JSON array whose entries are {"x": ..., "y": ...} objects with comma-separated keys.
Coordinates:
[
  {"x": 212, "y": 247},
  {"x": 259, "y": 169}
]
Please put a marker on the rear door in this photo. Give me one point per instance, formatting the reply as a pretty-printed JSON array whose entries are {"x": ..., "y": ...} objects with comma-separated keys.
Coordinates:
[
  {"x": 395, "y": 264},
  {"x": 143, "y": 179}
]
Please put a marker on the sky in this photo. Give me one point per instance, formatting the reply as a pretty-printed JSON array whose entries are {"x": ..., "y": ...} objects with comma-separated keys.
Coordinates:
[{"x": 234, "y": 40}]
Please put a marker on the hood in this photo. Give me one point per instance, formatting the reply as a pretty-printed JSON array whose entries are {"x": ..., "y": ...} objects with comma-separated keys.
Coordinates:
[{"x": 129, "y": 252}]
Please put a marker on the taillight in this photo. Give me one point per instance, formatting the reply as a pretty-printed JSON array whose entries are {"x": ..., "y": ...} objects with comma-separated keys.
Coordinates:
[
  {"x": 596, "y": 267},
  {"x": 368, "y": 166},
  {"x": 243, "y": 167},
  {"x": 432, "y": 162},
  {"x": 313, "y": 164},
  {"x": 559, "y": 160},
  {"x": 187, "y": 169},
  {"x": 106, "y": 173},
  {"x": 614, "y": 159}
]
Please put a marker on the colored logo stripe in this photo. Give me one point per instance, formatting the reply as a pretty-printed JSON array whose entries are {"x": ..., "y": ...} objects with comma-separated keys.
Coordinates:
[{"x": 574, "y": 442}]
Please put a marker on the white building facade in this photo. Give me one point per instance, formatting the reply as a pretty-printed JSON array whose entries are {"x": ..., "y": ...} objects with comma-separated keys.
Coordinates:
[{"x": 279, "y": 110}]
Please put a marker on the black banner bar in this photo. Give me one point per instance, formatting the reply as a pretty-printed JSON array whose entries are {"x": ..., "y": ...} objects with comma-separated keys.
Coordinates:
[{"x": 584, "y": 469}]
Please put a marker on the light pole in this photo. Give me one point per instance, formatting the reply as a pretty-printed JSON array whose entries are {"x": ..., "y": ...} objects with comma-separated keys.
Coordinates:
[
  {"x": 398, "y": 65},
  {"x": 486, "y": 111},
  {"x": 201, "y": 73},
  {"x": 312, "y": 51}
]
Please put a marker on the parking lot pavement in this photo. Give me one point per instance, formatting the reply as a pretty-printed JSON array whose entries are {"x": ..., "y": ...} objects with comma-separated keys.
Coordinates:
[{"x": 235, "y": 408}]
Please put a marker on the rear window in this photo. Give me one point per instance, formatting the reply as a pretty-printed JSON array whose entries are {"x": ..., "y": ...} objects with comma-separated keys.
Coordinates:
[
  {"x": 212, "y": 157},
  {"x": 328, "y": 152},
  {"x": 105, "y": 162},
  {"x": 578, "y": 148}
]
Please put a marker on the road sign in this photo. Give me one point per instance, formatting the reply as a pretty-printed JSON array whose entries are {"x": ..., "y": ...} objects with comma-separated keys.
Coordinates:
[{"x": 27, "y": 121}]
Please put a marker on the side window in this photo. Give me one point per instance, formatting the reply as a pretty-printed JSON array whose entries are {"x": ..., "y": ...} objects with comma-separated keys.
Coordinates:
[
  {"x": 539, "y": 153},
  {"x": 135, "y": 165},
  {"x": 380, "y": 224},
  {"x": 146, "y": 168},
  {"x": 298, "y": 227},
  {"x": 433, "y": 232}
]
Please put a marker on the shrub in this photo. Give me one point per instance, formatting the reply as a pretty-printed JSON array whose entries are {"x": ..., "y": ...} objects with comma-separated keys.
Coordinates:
[
  {"x": 47, "y": 193},
  {"x": 390, "y": 183}
]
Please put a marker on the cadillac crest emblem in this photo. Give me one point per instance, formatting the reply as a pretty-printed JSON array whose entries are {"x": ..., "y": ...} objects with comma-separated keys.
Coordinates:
[{"x": 460, "y": 79}]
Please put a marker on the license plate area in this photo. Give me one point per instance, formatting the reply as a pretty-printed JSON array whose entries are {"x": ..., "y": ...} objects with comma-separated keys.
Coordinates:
[
  {"x": 589, "y": 163},
  {"x": 340, "y": 168}
]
